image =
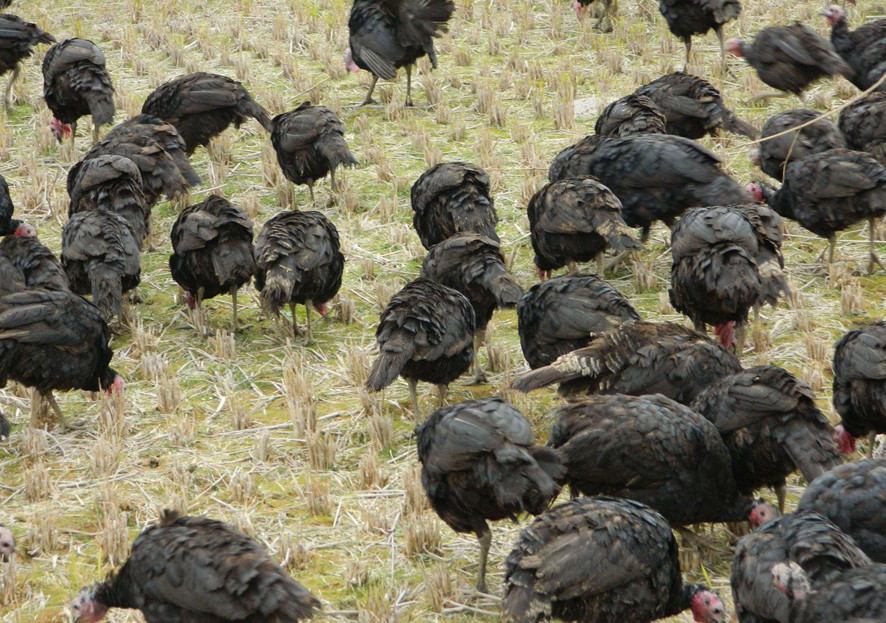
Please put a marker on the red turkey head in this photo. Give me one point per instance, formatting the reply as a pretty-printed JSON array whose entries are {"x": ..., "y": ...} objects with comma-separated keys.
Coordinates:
[
  {"x": 86, "y": 608},
  {"x": 707, "y": 607},
  {"x": 60, "y": 130},
  {"x": 756, "y": 191},
  {"x": 578, "y": 8},
  {"x": 833, "y": 14},
  {"x": 726, "y": 333},
  {"x": 845, "y": 441},
  {"x": 735, "y": 46},
  {"x": 321, "y": 309},
  {"x": 25, "y": 230},
  {"x": 761, "y": 512},
  {"x": 118, "y": 386},
  {"x": 349, "y": 62}
]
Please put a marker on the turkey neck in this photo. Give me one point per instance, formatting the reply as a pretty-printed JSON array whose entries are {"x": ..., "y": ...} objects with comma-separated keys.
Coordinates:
[
  {"x": 781, "y": 201},
  {"x": 115, "y": 591},
  {"x": 841, "y": 37}
]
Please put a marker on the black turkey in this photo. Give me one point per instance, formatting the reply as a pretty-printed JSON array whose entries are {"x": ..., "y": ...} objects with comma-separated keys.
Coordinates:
[
  {"x": 17, "y": 38},
  {"x": 632, "y": 115},
  {"x": 860, "y": 384},
  {"x": 698, "y": 17},
  {"x": 855, "y": 596},
  {"x": 863, "y": 48},
  {"x": 774, "y": 155},
  {"x": 197, "y": 569},
  {"x": 38, "y": 266},
  {"x": 480, "y": 463},
  {"x": 600, "y": 560},
  {"x": 426, "y": 333},
  {"x": 863, "y": 123},
  {"x": 212, "y": 251}
]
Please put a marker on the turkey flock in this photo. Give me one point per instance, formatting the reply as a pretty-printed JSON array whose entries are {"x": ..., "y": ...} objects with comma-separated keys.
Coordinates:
[{"x": 671, "y": 408}]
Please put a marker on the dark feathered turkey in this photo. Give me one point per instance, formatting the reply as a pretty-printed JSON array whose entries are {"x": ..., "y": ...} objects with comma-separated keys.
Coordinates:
[
  {"x": 310, "y": 142},
  {"x": 158, "y": 151},
  {"x": 767, "y": 225},
  {"x": 773, "y": 155},
  {"x": 8, "y": 225},
  {"x": 790, "y": 58},
  {"x": 693, "y": 107},
  {"x": 650, "y": 449},
  {"x": 480, "y": 463},
  {"x": 17, "y": 38},
  {"x": 560, "y": 315},
  {"x": 190, "y": 569},
  {"x": 698, "y": 17},
  {"x": 600, "y": 560},
  {"x": 452, "y": 198},
  {"x": 111, "y": 183},
  {"x": 298, "y": 261},
  {"x": 863, "y": 123},
  {"x": 853, "y": 496},
  {"x": 11, "y": 278},
  {"x": 202, "y": 106},
  {"x": 76, "y": 83},
  {"x": 385, "y": 35},
  {"x": 38, "y": 266},
  {"x": 602, "y": 10},
  {"x": 656, "y": 177},
  {"x": 54, "y": 340},
  {"x": 831, "y": 191},
  {"x": 426, "y": 333},
  {"x": 212, "y": 251},
  {"x": 863, "y": 49},
  {"x": 772, "y": 427},
  {"x": 101, "y": 257},
  {"x": 474, "y": 265},
  {"x": 860, "y": 384},
  {"x": 576, "y": 220},
  {"x": 855, "y": 596},
  {"x": 638, "y": 358},
  {"x": 805, "y": 538},
  {"x": 632, "y": 115}
]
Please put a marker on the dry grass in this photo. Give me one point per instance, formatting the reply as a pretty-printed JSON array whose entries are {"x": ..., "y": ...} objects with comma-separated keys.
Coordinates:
[{"x": 278, "y": 438}]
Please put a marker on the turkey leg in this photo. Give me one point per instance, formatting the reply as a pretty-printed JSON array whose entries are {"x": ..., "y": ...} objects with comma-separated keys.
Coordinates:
[
  {"x": 409, "y": 85},
  {"x": 874, "y": 259},
  {"x": 368, "y": 99},
  {"x": 309, "y": 305},
  {"x": 413, "y": 394},
  {"x": 485, "y": 538},
  {"x": 479, "y": 375},
  {"x": 12, "y": 79}
]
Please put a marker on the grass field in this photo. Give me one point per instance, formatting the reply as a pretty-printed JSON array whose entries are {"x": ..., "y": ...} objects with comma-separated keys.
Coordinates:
[{"x": 276, "y": 436}]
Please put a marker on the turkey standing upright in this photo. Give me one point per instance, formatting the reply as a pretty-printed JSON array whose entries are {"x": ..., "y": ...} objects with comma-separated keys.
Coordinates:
[
  {"x": 298, "y": 261},
  {"x": 563, "y": 314},
  {"x": 599, "y": 560},
  {"x": 212, "y": 251},
  {"x": 76, "y": 83},
  {"x": 698, "y": 17},
  {"x": 774, "y": 155},
  {"x": 387, "y": 34},
  {"x": 480, "y": 463},
  {"x": 310, "y": 142},
  {"x": 860, "y": 384},
  {"x": 474, "y": 265},
  {"x": 863, "y": 49},
  {"x": 656, "y": 177},
  {"x": 17, "y": 37},
  {"x": 202, "y": 106},
  {"x": 197, "y": 569},
  {"x": 576, "y": 220},
  {"x": 426, "y": 333},
  {"x": 451, "y": 198}
]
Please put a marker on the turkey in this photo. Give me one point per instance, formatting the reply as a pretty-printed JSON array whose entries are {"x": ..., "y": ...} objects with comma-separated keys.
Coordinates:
[
  {"x": 603, "y": 11},
  {"x": 388, "y": 34},
  {"x": 829, "y": 192},
  {"x": 656, "y": 177},
  {"x": 310, "y": 142},
  {"x": 632, "y": 115},
  {"x": 157, "y": 150},
  {"x": 111, "y": 183},
  {"x": 714, "y": 275},
  {"x": 790, "y": 58},
  {"x": 474, "y": 265},
  {"x": 774, "y": 155},
  {"x": 767, "y": 225},
  {"x": 17, "y": 38},
  {"x": 853, "y": 496},
  {"x": 862, "y": 48},
  {"x": 201, "y": 106},
  {"x": 576, "y": 220},
  {"x": 638, "y": 358},
  {"x": 54, "y": 340},
  {"x": 693, "y": 107},
  {"x": 212, "y": 251},
  {"x": 38, "y": 266},
  {"x": 805, "y": 538},
  {"x": 451, "y": 198},
  {"x": 698, "y": 17},
  {"x": 479, "y": 463},
  {"x": 197, "y": 569},
  {"x": 560, "y": 315},
  {"x": 7, "y": 539},
  {"x": 600, "y": 560},
  {"x": 8, "y": 225},
  {"x": 863, "y": 123},
  {"x": 426, "y": 333},
  {"x": 771, "y": 426},
  {"x": 76, "y": 83},
  {"x": 100, "y": 254},
  {"x": 860, "y": 385},
  {"x": 298, "y": 261},
  {"x": 5, "y": 430},
  {"x": 650, "y": 449},
  {"x": 855, "y": 596}
]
